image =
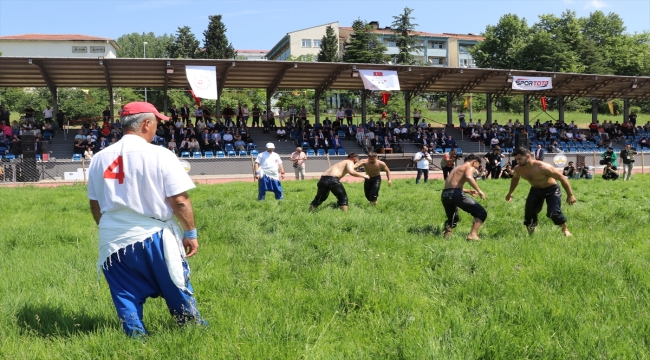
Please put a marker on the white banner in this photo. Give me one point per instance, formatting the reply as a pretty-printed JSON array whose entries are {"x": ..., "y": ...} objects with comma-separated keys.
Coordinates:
[
  {"x": 380, "y": 79},
  {"x": 203, "y": 80},
  {"x": 531, "y": 83}
]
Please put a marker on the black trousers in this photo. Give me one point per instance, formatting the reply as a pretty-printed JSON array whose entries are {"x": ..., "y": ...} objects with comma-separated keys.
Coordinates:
[
  {"x": 328, "y": 184},
  {"x": 371, "y": 187},
  {"x": 446, "y": 170},
  {"x": 495, "y": 172},
  {"x": 453, "y": 199},
  {"x": 535, "y": 201}
]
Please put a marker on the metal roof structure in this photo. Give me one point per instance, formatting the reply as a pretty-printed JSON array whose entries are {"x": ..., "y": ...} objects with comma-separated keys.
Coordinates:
[{"x": 276, "y": 75}]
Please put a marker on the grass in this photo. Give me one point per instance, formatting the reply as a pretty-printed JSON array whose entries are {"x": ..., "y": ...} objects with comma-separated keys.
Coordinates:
[{"x": 275, "y": 281}]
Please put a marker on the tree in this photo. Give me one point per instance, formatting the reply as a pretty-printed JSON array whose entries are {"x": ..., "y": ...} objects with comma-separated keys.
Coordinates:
[
  {"x": 215, "y": 42},
  {"x": 132, "y": 45},
  {"x": 364, "y": 46},
  {"x": 404, "y": 38},
  {"x": 329, "y": 46},
  {"x": 185, "y": 45},
  {"x": 502, "y": 44}
]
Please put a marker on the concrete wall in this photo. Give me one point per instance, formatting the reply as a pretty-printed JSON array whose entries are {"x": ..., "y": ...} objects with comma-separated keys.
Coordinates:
[
  {"x": 56, "y": 49},
  {"x": 314, "y": 33}
]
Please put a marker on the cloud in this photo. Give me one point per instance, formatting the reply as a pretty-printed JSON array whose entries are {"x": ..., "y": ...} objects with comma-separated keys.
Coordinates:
[{"x": 595, "y": 4}]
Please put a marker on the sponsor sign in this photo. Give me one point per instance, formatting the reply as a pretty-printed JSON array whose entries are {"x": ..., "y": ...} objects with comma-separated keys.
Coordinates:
[
  {"x": 380, "y": 79},
  {"x": 532, "y": 83},
  {"x": 560, "y": 160}
]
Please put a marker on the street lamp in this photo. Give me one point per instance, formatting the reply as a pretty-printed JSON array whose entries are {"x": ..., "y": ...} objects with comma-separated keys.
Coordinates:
[{"x": 144, "y": 55}]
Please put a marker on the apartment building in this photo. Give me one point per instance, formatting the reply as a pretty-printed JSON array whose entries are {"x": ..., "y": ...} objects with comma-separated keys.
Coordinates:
[{"x": 58, "y": 45}]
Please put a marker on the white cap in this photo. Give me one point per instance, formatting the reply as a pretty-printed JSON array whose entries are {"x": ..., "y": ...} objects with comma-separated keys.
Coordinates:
[{"x": 270, "y": 146}]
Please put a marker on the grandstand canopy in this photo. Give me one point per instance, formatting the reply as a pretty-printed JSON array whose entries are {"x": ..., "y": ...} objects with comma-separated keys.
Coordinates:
[{"x": 277, "y": 75}]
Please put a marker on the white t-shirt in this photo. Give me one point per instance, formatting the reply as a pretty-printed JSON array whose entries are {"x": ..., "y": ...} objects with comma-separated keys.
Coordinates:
[
  {"x": 47, "y": 113},
  {"x": 133, "y": 174},
  {"x": 269, "y": 164},
  {"x": 422, "y": 159}
]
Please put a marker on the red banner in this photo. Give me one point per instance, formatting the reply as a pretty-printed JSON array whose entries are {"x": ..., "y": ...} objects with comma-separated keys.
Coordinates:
[
  {"x": 385, "y": 96},
  {"x": 196, "y": 100},
  {"x": 543, "y": 100}
]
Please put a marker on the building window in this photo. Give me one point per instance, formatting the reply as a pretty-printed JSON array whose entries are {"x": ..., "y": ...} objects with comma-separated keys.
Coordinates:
[
  {"x": 436, "y": 45},
  {"x": 465, "y": 48},
  {"x": 97, "y": 49},
  {"x": 316, "y": 43},
  {"x": 390, "y": 43},
  {"x": 79, "y": 49},
  {"x": 437, "y": 61},
  {"x": 306, "y": 42}
]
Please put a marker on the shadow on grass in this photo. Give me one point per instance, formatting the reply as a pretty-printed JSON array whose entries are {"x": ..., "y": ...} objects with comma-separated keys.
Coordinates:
[
  {"x": 53, "y": 321},
  {"x": 426, "y": 230}
]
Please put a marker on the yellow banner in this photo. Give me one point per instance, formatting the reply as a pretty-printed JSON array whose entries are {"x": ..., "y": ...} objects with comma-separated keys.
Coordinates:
[
  {"x": 611, "y": 107},
  {"x": 467, "y": 102}
]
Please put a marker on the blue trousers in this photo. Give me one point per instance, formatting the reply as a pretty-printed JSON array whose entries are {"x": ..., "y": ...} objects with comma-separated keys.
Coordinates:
[
  {"x": 267, "y": 184},
  {"x": 140, "y": 272}
]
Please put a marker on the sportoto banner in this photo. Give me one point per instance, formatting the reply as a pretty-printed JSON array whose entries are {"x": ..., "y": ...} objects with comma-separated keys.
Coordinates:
[
  {"x": 380, "y": 79},
  {"x": 531, "y": 83},
  {"x": 203, "y": 80}
]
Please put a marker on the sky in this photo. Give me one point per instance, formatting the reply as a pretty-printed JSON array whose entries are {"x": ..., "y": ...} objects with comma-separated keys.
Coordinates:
[{"x": 260, "y": 24}]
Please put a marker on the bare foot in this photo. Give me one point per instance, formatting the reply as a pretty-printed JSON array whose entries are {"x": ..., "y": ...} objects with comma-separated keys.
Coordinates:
[
  {"x": 531, "y": 229},
  {"x": 312, "y": 208},
  {"x": 471, "y": 237},
  {"x": 567, "y": 233},
  {"x": 373, "y": 203},
  {"x": 447, "y": 233}
]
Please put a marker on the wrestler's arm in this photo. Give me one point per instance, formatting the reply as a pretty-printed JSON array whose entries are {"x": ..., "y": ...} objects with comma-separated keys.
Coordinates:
[
  {"x": 351, "y": 171},
  {"x": 182, "y": 207},
  {"x": 385, "y": 168},
  {"x": 513, "y": 184},
  {"x": 95, "y": 210},
  {"x": 469, "y": 176},
  {"x": 571, "y": 199}
]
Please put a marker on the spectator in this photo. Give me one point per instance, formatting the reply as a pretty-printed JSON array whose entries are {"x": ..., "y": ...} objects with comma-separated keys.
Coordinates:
[
  {"x": 644, "y": 143},
  {"x": 336, "y": 143},
  {"x": 298, "y": 158},
  {"x": 539, "y": 153},
  {"x": 198, "y": 114},
  {"x": 106, "y": 114},
  {"x": 609, "y": 172},
  {"x": 281, "y": 134},
  {"x": 448, "y": 162},
  {"x": 48, "y": 114},
  {"x": 609, "y": 157},
  {"x": 507, "y": 173},
  {"x": 584, "y": 172},
  {"x": 340, "y": 114},
  {"x": 423, "y": 160},
  {"x": 493, "y": 162},
  {"x": 316, "y": 143},
  {"x": 481, "y": 173},
  {"x": 194, "y": 145},
  {"x": 227, "y": 138},
  {"x": 570, "y": 171},
  {"x": 628, "y": 155},
  {"x": 29, "y": 114},
  {"x": 171, "y": 145},
  {"x": 349, "y": 115},
  {"x": 396, "y": 145},
  {"x": 5, "y": 115},
  {"x": 240, "y": 145}
]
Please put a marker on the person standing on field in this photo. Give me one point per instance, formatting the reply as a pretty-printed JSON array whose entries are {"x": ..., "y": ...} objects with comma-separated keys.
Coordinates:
[
  {"x": 135, "y": 190},
  {"x": 268, "y": 171},
  {"x": 298, "y": 158},
  {"x": 423, "y": 159},
  {"x": 331, "y": 181},
  {"x": 454, "y": 197},
  {"x": 373, "y": 167},
  {"x": 543, "y": 179}
]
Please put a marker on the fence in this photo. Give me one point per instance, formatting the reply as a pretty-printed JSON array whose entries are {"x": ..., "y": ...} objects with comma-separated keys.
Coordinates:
[{"x": 26, "y": 170}]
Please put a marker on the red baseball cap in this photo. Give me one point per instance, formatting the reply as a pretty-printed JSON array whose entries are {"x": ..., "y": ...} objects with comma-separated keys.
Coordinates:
[{"x": 139, "y": 107}]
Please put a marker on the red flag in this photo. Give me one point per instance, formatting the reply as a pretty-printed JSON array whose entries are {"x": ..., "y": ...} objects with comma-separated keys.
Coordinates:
[
  {"x": 385, "y": 96},
  {"x": 543, "y": 99},
  {"x": 196, "y": 100}
]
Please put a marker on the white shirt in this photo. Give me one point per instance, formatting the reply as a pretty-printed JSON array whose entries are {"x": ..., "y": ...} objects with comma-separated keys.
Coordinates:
[
  {"x": 47, "y": 114},
  {"x": 423, "y": 160},
  {"x": 198, "y": 112},
  {"x": 148, "y": 175},
  {"x": 179, "y": 124},
  {"x": 340, "y": 114},
  {"x": 269, "y": 164}
]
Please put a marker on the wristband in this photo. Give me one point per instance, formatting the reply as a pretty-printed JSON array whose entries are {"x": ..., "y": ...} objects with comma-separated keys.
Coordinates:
[
  {"x": 281, "y": 173},
  {"x": 191, "y": 234}
]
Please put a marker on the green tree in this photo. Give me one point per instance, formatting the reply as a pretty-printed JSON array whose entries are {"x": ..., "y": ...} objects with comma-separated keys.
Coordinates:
[
  {"x": 403, "y": 36},
  {"x": 215, "y": 42},
  {"x": 185, "y": 45},
  {"x": 329, "y": 46},
  {"x": 503, "y": 43},
  {"x": 364, "y": 45},
  {"x": 132, "y": 45}
]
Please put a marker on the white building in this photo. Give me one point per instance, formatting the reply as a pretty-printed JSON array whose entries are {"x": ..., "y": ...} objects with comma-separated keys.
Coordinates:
[
  {"x": 251, "y": 54},
  {"x": 301, "y": 42},
  {"x": 54, "y": 45}
]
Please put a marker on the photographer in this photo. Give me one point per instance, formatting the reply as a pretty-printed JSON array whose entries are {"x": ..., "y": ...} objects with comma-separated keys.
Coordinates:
[
  {"x": 448, "y": 162},
  {"x": 570, "y": 171},
  {"x": 628, "y": 161},
  {"x": 583, "y": 172},
  {"x": 507, "y": 173},
  {"x": 609, "y": 157},
  {"x": 609, "y": 173},
  {"x": 493, "y": 162}
]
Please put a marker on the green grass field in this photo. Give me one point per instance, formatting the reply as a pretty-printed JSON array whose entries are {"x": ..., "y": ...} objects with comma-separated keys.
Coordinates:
[{"x": 275, "y": 281}]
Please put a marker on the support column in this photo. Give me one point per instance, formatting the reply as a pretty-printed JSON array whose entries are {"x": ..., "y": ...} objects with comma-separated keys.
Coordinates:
[
  {"x": 55, "y": 99},
  {"x": 450, "y": 111},
  {"x": 560, "y": 108},
  {"x": 164, "y": 100},
  {"x": 526, "y": 110},
  {"x": 269, "y": 95},
  {"x": 218, "y": 109},
  {"x": 317, "y": 96},
  {"x": 407, "y": 106},
  {"x": 594, "y": 110},
  {"x": 110, "y": 98},
  {"x": 488, "y": 108},
  {"x": 364, "y": 99},
  {"x": 626, "y": 109}
]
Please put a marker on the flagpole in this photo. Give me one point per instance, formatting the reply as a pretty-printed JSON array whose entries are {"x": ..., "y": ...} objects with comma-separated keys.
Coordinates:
[{"x": 470, "y": 106}]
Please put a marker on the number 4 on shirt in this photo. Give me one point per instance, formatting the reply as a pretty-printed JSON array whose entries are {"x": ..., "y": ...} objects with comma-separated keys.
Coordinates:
[{"x": 110, "y": 172}]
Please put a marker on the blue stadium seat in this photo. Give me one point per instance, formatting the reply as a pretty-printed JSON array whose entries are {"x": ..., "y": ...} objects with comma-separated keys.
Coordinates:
[
  {"x": 11, "y": 157},
  {"x": 76, "y": 157},
  {"x": 197, "y": 155},
  {"x": 254, "y": 153},
  {"x": 209, "y": 154},
  {"x": 231, "y": 153},
  {"x": 221, "y": 154},
  {"x": 185, "y": 154},
  {"x": 342, "y": 152},
  {"x": 310, "y": 152},
  {"x": 331, "y": 152},
  {"x": 243, "y": 153},
  {"x": 320, "y": 152}
]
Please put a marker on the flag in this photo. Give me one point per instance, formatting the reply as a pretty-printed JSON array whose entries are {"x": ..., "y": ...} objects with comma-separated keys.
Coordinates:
[
  {"x": 543, "y": 100},
  {"x": 203, "y": 81},
  {"x": 610, "y": 104},
  {"x": 380, "y": 79},
  {"x": 385, "y": 96},
  {"x": 467, "y": 102},
  {"x": 89, "y": 98},
  {"x": 196, "y": 99}
]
